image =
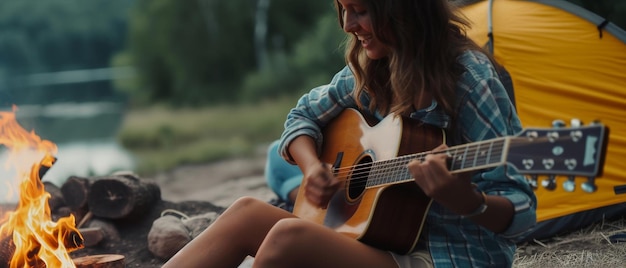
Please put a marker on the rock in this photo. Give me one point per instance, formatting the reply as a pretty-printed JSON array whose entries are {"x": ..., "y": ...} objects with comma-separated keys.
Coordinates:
[
  {"x": 167, "y": 236},
  {"x": 196, "y": 224}
]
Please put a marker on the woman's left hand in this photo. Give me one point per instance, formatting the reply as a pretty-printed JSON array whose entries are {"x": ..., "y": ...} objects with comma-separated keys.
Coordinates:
[{"x": 453, "y": 191}]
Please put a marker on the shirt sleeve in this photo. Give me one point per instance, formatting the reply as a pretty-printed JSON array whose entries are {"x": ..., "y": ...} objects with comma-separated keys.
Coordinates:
[
  {"x": 486, "y": 112},
  {"x": 316, "y": 108}
]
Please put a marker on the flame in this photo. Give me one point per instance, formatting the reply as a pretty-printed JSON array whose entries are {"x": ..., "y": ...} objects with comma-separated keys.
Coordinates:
[{"x": 37, "y": 240}]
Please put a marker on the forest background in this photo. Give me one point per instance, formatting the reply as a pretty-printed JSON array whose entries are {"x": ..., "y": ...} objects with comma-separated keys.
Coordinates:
[{"x": 199, "y": 80}]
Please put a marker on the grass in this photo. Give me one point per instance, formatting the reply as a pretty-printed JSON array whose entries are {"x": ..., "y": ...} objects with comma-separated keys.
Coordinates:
[
  {"x": 589, "y": 247},
  {"x": 162, "y": 138}
]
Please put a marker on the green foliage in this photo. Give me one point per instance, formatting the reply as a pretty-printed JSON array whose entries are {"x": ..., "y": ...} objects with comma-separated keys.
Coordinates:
[
  {"x": 54, "y": 35},
  {"x": 196, "y": 52},
  {"x": 612, "y": 10},
  {"x": 182, "y": 49},
  {"x": 313, "y": 62}
]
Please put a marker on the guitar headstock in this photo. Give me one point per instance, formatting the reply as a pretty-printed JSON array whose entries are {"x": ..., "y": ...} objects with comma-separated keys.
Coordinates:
[{"x": 575, "y": 151}]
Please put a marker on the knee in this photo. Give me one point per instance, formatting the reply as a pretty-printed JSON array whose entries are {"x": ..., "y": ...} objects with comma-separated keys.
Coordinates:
[
  {"x": 288, "y": 232},
  {"x": 244, "y": 203},
  {"x": 283, "y": 243}
]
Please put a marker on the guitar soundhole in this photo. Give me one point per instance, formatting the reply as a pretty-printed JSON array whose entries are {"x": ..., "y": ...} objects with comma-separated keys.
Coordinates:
[{"x": 358, "y": 180}]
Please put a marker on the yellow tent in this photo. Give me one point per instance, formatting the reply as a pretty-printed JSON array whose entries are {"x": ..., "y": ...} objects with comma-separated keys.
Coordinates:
[{"x": 565, "y": 62}]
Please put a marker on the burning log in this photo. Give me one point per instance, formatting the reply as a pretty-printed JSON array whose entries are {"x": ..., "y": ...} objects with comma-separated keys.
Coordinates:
[
  {"x": 122, "y": 197},
  {"x": 6, "y": 251},
  {"x": 29, "y": 238},
  {"x": 46, "y": 164},
  {"x": 71, "y": 242},
  {"x": 56, "y": 200},
  {"x": 100, "y": 261}
]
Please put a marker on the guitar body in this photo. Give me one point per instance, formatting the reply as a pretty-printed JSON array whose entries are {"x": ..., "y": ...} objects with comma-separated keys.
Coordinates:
[{"x": 388, "y": 217}]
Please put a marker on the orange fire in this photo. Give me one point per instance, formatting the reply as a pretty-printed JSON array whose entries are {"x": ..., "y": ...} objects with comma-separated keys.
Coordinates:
[{"x": 34, "y": 239}]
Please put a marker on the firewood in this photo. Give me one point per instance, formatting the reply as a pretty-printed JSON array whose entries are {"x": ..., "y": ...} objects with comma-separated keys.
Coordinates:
[
  {"x": 46, "y": 164},
  {"x": 56, "y": 196},
  {"x": 75, "y": 192},
  {"x": 71, "y": 242},
  {"x": 110, "y": 231},
  {"x": 84, "y": 219},
  {"x": 65, "y": 211},
  {"x": 7, "y": 248},
  {"x": 100, "y": 261},
  {"x": 92, "y": 236},
  {"x": 61, "y": 212},
  {"x": 122, "y": 197}
]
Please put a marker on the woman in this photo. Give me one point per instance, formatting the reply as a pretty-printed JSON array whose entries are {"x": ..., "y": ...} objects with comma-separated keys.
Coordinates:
[{"x": 408, "y": 58}]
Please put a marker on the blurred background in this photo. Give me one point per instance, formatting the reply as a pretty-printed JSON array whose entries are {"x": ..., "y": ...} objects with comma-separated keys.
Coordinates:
[{"x": 148, "y": 85}]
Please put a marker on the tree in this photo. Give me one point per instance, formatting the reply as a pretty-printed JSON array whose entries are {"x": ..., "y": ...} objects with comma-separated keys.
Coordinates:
[
  {"x": 196, "y": 52},
  {"x": 612, "y": 10},
  {"x": 313, "y": 61},
  {"x": 56, "y": 35}
]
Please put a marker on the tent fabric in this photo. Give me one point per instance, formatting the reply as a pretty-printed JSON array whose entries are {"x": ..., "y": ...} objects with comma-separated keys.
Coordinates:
[{"x": 565, "y": 62}]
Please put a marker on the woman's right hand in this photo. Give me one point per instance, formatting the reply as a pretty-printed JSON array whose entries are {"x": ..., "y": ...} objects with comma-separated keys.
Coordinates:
[{"x": 320, "y": 184}]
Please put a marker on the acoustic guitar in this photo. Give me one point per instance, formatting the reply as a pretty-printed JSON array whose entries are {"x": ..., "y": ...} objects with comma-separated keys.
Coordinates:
[{"x": 380, "y": 205}]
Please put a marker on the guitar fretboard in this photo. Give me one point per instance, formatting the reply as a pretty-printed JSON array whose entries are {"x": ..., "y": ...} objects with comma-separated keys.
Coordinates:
[{"x": 464, "y": 157}]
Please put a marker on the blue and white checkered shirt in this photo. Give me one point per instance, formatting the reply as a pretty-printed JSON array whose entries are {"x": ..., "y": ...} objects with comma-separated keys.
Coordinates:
[{"x": 484, "y": 111}]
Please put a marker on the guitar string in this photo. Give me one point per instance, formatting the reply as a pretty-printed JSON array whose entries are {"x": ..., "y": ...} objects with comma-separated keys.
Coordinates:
[
  {"x": 382, "y": 166},
  {"x": 361, "y": 173},
  {"x": 387, "y": 173},
  {"x": 399, "y": 163}
]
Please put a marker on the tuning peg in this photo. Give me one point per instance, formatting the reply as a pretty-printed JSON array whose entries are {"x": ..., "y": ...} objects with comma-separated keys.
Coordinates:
[
  {"x": 558, "y": 123},
  {"x": 570, "y": 184},
  {"x": 590, "y": 185},
  {"x": 575, "y": 122},
  {"x": 549, "y": 183},
  {"x": 532, "y": 181}
]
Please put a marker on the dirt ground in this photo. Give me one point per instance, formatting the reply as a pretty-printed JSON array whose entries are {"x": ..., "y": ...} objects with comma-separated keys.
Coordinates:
[{"x": 220, "y": 183}]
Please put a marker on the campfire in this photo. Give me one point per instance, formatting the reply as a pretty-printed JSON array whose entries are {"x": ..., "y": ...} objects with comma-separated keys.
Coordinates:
[
  {"x": 29, "y": 237},
  {"x": 86, "y": 222}
]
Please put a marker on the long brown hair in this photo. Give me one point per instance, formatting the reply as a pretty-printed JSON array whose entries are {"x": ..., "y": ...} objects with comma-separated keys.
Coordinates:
[{"x": 425, "y": 38}]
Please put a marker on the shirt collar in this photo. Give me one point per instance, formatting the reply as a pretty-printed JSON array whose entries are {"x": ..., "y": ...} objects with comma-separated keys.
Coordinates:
[{"x": 432, "y": 115}]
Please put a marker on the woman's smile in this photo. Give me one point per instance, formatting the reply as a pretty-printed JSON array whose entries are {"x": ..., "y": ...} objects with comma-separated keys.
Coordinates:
[{"x": 365, "y": 40}]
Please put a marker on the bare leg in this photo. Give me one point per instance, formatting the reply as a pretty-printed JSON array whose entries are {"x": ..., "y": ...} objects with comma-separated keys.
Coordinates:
[
  {"x": 299, "y": 243},
  {"x": 237, "y": 233}
]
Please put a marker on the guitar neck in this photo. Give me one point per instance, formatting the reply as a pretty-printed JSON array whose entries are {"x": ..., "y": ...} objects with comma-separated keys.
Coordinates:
[{"x": 465, "y": 157}]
